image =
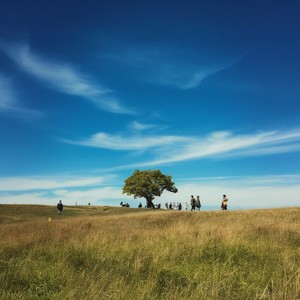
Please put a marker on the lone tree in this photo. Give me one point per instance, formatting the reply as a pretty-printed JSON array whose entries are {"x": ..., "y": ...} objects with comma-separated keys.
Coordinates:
[{"x": 148, "y": 184}]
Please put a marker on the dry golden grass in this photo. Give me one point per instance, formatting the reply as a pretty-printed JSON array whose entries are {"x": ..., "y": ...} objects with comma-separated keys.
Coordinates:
[{"x": 121, "y": 253}]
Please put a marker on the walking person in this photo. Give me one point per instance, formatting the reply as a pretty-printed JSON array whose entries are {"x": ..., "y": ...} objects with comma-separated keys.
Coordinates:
[
  {"x": 224, "y": 203},
  {"x": 198, "y": 203},
  {"x": 193, "y": 203},
  {"x": 60, "y": 208}
]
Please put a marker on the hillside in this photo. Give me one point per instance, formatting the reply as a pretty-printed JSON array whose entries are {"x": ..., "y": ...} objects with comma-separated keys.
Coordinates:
[
  {"x": 121, "y": 253},
  {"x": 20, "y": 213}
]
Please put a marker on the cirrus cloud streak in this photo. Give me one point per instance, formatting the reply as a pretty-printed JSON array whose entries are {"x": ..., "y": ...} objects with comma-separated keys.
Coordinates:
[
  {"x": 165, "y": 149},
  {"x": 9, "y": 102},
  {"x": 50, "y": 183},
  {"x": 62, "y": 77}
]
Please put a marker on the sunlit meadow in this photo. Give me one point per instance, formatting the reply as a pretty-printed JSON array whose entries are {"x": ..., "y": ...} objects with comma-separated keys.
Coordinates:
[{"x": 124, "y": 253}]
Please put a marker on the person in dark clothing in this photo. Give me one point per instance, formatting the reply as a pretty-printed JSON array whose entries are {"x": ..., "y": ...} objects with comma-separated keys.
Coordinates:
[
  {"x": 198, "y": 203},
  {"x": 193, "y": 203},
  {"x": 179, "y": 206},
  {"x": 60, "y": 208}
]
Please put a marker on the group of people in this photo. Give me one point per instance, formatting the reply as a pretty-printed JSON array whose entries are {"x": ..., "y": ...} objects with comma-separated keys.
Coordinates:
[
  {"x": 173, "y": 205},
  {"x": 195, "y": 204}
]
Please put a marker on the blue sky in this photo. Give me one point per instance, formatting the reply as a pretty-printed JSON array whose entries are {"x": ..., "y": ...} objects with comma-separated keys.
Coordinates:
[{"x": 205, "y": 91}]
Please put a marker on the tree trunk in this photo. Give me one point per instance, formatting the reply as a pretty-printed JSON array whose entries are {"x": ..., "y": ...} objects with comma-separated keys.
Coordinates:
[{"x": 149, "y": 203}]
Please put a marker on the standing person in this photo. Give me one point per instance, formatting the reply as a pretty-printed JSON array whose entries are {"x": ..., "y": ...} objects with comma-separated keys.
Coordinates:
[
  {"x": 224, "y": 203},
  {"x": 60, "y": 208},
  {"x": 186, "y": 206},
  {"x": 193, "y": 203},
  {"x": 179, "y": 206},
  {"x": 198, "y": 203}
]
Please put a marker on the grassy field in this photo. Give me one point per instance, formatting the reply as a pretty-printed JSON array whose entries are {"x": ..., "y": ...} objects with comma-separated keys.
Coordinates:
[{"x": 124, "y": 253}]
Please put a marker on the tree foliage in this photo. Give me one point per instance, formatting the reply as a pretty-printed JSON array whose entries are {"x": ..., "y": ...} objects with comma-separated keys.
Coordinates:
[{"x": 148, "y": 184}]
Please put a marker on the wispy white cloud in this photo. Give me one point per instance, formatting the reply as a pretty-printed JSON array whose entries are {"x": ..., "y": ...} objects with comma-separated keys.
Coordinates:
[
  {"x": 201, "y": 74},
  {"x": 99, "y": 196},
  {"x": 9, "y": 102},
  {"x": 164, "y": 66},
  {"x": 7, "y": 96},
  {"x": 27, "y": 198},
  {"x": 138, "y": 126},
  {"x": 225, "y": 143},
  {"x": 128, "y": 143},
  {"x": 82, "y": 190},
  {"x": 172, "y": 149},
  {"x": 106, "y": 195},
  {"x": 50, "y": 183},
  {"x": 245, "y": 181},
  {"x": 62, "y": 77},
  {"x": 187, "y": 76}
]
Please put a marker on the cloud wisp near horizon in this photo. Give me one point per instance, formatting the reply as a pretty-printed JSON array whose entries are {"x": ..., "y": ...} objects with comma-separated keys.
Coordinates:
[
  {"x": 245, "y": 191},
  {"x": 51, "y": 182}
]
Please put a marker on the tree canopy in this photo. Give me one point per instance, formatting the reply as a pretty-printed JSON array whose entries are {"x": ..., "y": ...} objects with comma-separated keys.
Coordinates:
[{"x": 148, "y": 184}]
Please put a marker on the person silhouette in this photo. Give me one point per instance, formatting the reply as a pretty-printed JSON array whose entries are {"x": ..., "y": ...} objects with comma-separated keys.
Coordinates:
[
  {"x": 60, "y": 208},
  {"x": 224, "y": 203}
]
